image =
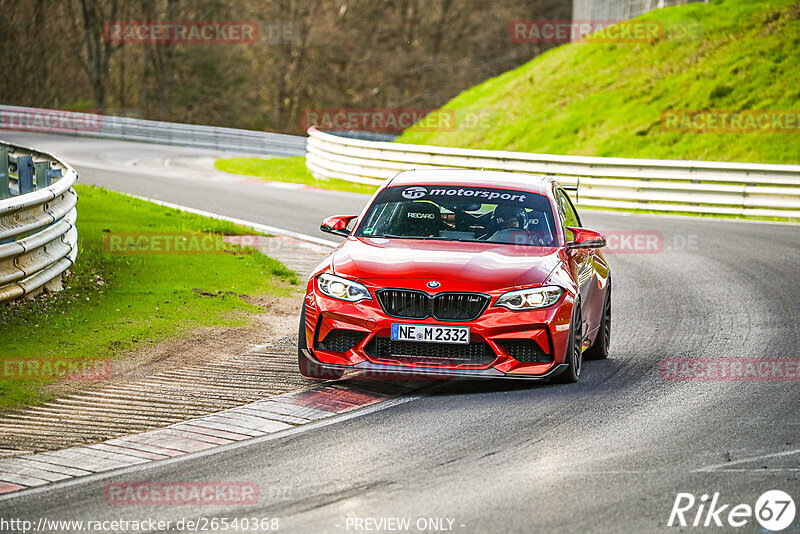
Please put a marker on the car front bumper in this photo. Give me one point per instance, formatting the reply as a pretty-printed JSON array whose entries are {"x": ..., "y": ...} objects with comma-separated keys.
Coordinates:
[{"x": 497, "y": 327}]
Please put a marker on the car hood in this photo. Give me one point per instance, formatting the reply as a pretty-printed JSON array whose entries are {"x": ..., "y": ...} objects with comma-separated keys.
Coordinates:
[{"x": 466, "y": 264}]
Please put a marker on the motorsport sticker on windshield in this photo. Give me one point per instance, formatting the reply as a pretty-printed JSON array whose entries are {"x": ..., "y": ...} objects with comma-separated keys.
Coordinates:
[{"x": 418, "y": 192}]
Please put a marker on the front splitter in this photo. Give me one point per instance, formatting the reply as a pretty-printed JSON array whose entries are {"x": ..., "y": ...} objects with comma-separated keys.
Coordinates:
[{"x": 390, "y": 371}]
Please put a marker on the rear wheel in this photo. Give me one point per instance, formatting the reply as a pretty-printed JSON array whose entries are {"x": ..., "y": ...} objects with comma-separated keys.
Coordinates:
[
  {"x": 308, "y": 368},
  {"x": 599, "y": 350},
  {"x": 574, "y": 358}
]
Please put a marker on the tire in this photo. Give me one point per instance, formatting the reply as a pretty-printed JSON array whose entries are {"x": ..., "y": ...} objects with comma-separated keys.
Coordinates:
[
  {"x": 574, "y": 359},
  {"x": 599, "y": 349},
  {"x": 311, "y": 369}
]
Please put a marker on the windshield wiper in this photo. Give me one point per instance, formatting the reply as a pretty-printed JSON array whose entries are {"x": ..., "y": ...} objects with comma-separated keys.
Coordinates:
[
  {"x": 431, "y": 238},
  {"x": 392, "y": 236},
  {"x": 455, "y": 239}
]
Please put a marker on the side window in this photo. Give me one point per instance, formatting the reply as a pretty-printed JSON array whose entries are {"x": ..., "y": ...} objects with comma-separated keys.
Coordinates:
[
  {"x": 567, "y": 213},
  {"x": 572, "y": 213},
  {"x": 562, "y": 208}
]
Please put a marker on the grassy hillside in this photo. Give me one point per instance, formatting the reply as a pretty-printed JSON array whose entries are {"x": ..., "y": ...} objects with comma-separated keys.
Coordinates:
[{"x": 607, "y": 99}]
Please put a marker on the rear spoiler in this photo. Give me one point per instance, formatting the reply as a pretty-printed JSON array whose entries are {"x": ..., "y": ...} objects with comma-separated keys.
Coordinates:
[{"x": 572, "y": 188}]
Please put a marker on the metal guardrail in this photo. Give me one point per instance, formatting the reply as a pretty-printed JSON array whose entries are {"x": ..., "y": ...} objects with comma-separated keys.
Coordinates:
[
  {"x": 742, "y": 189},
  {"x": 38, "y": 237},
  {"x": 607, "y": 10},
  {"x": 110, "y": 127}
]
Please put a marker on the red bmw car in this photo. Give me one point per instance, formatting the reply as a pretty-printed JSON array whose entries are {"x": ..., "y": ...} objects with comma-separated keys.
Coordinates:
[{"x": 459, "y": 273}]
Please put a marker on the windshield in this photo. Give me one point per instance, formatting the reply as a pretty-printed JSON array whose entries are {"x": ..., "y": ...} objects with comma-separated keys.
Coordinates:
[{"x": 448, "y": 213}]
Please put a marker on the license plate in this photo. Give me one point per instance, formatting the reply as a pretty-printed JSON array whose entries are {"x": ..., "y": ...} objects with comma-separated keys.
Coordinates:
[{"x": 430, "y": 333}]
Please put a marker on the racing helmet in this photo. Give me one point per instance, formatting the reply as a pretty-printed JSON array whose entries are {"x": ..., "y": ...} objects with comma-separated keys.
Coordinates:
[{"x": 502, "y": 216}]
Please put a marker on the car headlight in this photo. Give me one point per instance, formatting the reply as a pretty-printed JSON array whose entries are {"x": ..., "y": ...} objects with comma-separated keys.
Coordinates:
[
  {"x": 342, "y": 288},
  {"x": 530, "y": 299}
]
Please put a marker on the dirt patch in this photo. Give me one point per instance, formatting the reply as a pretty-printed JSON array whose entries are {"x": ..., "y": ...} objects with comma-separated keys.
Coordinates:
[
  {"x": 277, "y": 320},
  {"x": 212, "y": 369}
]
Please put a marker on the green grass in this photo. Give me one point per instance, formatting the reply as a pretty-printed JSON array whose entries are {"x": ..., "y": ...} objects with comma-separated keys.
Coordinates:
[
  {"x": 607, "y": 99},
  {"x": 292, "y": 170},
  {"x": 116, "y": 303}
]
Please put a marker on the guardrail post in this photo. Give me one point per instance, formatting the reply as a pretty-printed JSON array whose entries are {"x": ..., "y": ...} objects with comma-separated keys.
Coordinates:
[
  {"x": 53, "y": 174},
  {"x": 5, "y": 189},
  {"x": 42, "y": 179},
  {"x": 25, "y": 174}
]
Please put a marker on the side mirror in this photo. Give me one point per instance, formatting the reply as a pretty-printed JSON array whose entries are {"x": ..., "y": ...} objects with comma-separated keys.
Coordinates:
[
  {"x": 337, "y": 225},
  {"x": 585, "y": 238}
]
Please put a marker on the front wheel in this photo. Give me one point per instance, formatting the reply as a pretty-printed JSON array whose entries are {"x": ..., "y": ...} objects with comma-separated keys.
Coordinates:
[
  {"x": 308, "y": 368},
  {"x": 574, "y": 358}
]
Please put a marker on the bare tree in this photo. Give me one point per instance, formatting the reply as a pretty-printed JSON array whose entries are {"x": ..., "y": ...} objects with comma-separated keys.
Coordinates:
[
  {"x": 341, "y": 53},
  {"x": 93, "y": 16}
]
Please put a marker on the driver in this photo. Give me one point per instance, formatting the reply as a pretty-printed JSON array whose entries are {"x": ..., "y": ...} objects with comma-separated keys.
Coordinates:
[
  {"x": 505, "y": 217},
  {"x": 510, "y": 225}
]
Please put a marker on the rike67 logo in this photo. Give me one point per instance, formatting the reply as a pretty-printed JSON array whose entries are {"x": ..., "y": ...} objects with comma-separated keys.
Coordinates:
[{"x": 774, "y": 511}]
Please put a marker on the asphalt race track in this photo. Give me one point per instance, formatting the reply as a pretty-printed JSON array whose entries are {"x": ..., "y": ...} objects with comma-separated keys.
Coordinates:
[
  {"x": 172, "y": 174},
  {"x": 609, "y": 454}
]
